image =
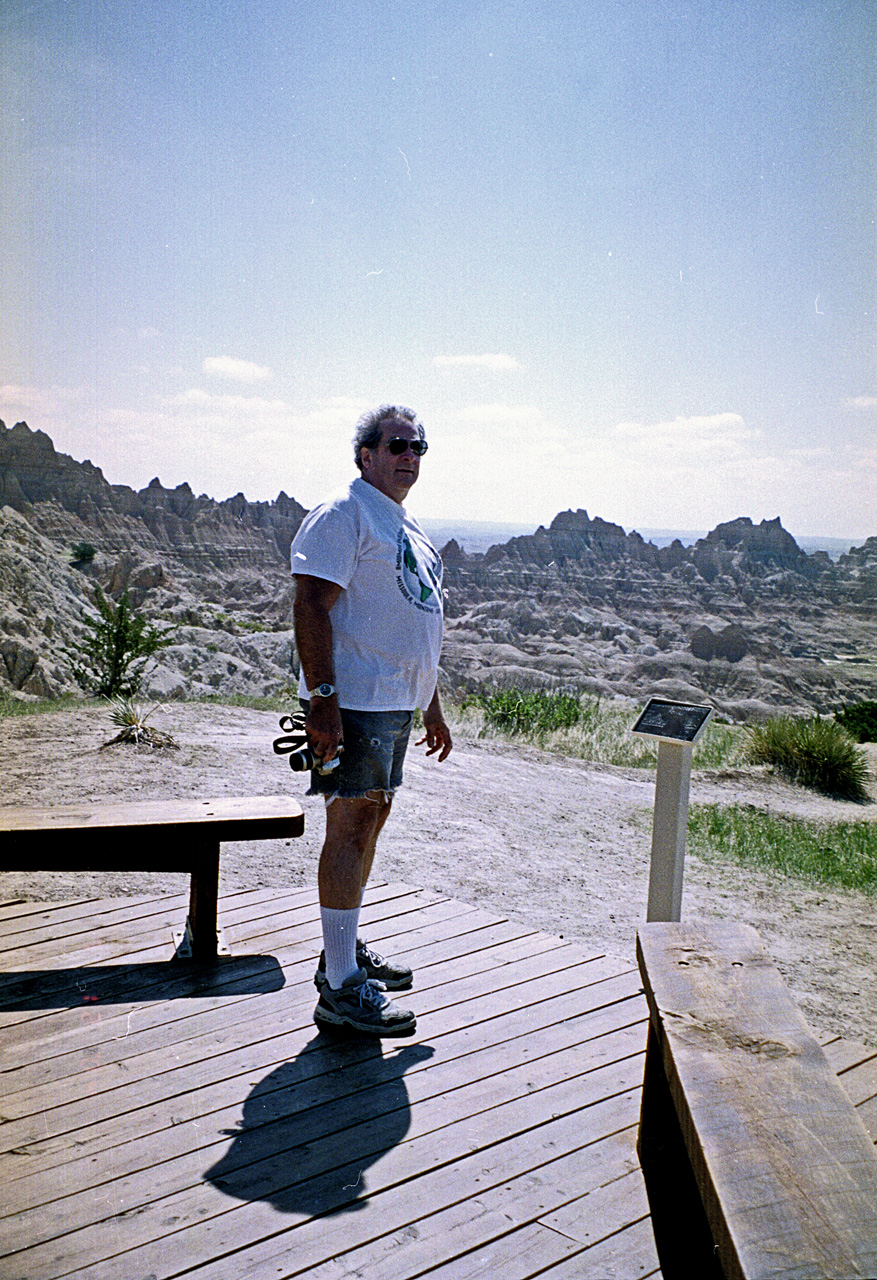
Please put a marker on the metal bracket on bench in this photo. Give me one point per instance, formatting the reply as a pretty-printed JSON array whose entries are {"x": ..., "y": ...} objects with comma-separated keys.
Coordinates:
[{"x": 184, "y": 939}]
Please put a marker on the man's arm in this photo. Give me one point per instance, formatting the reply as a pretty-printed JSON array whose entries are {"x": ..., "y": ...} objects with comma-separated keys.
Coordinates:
[
  {"x": 438, "y": 735},
  {"x": 314, "y": 598}
]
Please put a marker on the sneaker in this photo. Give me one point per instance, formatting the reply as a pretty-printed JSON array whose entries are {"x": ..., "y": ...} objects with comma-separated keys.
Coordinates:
[
  {"x": 360, "y": 1004},
  {"x": 395, "y": 977}
]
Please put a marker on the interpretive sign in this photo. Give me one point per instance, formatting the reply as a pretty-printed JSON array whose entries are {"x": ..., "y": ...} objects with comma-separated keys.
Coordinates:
[
  {"x": 677, "y": 726},
  {"x": 674, "y": 721}
]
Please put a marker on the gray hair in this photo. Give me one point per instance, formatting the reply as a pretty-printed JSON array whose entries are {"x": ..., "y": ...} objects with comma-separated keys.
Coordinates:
[{"x": 370, "y": 428}]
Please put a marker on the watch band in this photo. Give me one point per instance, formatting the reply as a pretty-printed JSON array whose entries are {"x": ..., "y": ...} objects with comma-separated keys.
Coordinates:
[{"x": 322, "y": 691}]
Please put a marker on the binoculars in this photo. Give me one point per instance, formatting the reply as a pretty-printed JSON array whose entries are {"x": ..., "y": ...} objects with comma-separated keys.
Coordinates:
[{"x": 295, "y": 745}]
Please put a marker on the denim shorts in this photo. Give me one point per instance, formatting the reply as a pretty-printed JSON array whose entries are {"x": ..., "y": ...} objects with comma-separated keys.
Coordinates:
[{"x": 374, "y": 749}]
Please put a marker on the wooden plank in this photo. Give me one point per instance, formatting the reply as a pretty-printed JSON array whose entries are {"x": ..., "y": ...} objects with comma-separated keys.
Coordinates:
[
  {"x": 208, "y": 1228},
  {"x": 844, "y": 1054},
  {"x": 528, "y": 1052},
  {"x": 786, "y": 1170},
  {"x": 22, "y": 917},
  {"x": 320, "y": 1127},
  {"x": 226, "y": 817},
  {"x": 175, "y": 994},
  {"x": 40, "y": 1105},
  {"x": 867, "y": 1112},
  {"x": 145, "y": 1048},
  {"x": 461, "y": 1182},
  {"x": 517, "y": 1256},
  {"x": 443, "y": 1235},
  {"x": 146, "y": 1067},
  {"x": 628, "y": 1255},
  {"x": 210, "y": 1096},
  {"x": 57, "y": 944}
]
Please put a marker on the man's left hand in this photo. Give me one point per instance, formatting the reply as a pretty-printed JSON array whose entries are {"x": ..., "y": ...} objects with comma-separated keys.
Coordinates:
[{"x": 437, "y": 736}]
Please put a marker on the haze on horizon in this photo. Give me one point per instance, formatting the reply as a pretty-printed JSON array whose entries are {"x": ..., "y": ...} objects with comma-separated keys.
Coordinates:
[{"x": 617, "y": 256}]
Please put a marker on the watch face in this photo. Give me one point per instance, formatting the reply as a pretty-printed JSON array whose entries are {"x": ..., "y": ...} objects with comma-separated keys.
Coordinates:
[{"x": 324, "y": 690}]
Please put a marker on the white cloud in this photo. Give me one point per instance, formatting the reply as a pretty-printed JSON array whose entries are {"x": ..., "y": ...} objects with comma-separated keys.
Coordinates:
[
  {"x": 44, "y": 400},
  {"x": 492, "y": 363},
  {"x": 236, "y": 370},
  {"x": 500, "y": 415},
  {"x": 224, "y": 404},
  {"x": 861, "y": 402},
  {"x": 722, "y": 434}
]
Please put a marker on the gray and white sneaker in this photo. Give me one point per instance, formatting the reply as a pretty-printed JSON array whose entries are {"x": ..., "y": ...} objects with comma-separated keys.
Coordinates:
[
  {"x": 360, "y": 1004},
  {"x": 394, "y": 976}
]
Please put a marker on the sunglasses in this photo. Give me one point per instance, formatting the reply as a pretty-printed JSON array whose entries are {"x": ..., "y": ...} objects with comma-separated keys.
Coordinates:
[{"x": 399, "y": 444}]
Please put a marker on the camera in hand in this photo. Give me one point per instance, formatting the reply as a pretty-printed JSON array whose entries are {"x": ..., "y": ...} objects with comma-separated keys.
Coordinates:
[
  {"x": 295, "y": 744},
  {"x": 304, "y": 758}
]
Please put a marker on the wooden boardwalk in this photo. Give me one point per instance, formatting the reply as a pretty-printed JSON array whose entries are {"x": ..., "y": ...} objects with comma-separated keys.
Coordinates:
[{"x": 164, "y": 1120}]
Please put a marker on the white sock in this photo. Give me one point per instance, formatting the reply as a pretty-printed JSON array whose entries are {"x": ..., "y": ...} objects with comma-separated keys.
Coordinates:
[{"x": 339, "y": 943}]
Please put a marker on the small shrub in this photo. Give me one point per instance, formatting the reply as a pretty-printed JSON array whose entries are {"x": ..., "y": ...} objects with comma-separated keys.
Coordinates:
[
  {"x": 859, "y": 720},
  {"x": 83, "y": 553},
  {"x": 110, "y": 661},
  {"x": 535, "y": 711},
  {"x": 814, "y": 753},
  {"x": 584, "y": 727}
]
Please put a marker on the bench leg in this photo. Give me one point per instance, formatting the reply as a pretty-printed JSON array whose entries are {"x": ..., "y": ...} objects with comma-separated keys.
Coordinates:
[
  {"x": 683, "y": 1237},
  {"x": 200, "y": 941}
]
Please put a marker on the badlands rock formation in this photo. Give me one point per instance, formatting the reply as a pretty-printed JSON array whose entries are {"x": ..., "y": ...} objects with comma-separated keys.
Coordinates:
[{"x": 744, "y": 618}]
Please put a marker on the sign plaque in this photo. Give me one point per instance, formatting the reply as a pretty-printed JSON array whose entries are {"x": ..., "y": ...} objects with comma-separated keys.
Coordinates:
[{"x": 673, "y": 721}]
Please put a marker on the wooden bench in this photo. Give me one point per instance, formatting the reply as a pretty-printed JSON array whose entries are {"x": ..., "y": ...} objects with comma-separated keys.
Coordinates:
[
  {"x": 153, "y": 835},
  {"x": 755, "y": 1160}
]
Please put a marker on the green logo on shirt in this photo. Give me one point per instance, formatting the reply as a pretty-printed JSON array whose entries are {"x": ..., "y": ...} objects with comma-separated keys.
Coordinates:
[{"x": 418, "y": 577}]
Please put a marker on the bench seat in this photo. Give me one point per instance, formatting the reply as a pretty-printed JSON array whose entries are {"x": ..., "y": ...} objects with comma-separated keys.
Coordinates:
[
  {"x": 151, "y": 835},
  {"x": 740, "y": 1102}
]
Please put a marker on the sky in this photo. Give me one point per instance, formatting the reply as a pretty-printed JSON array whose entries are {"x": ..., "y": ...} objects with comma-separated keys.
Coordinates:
[{"x": 618, "y": 255}]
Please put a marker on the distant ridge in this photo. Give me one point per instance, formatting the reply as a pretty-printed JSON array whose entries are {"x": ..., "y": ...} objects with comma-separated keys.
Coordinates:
[{"x": 479, "y": 535}]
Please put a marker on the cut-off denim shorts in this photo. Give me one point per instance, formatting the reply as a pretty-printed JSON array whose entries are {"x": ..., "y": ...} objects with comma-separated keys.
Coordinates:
[{"x": 374, "y": 749}]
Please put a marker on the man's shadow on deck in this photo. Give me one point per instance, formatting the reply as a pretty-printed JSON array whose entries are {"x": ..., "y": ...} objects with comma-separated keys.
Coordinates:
[{"x": 312, "y": 1128}]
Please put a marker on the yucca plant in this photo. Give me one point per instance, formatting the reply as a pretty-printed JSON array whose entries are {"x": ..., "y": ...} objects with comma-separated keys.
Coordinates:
[
  {"x": 814, "y": 753},
  {"x": 131, "y": 718}
]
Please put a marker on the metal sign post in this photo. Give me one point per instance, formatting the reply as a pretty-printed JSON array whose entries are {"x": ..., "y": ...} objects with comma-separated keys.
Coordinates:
[{"x": 677, "y": 726}]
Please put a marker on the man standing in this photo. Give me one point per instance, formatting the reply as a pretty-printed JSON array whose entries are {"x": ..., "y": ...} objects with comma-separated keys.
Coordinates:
[{"x": 368, "y": 628}]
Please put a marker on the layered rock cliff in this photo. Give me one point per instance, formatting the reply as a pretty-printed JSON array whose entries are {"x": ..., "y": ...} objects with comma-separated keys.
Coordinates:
[
  {"x": 743, "y": 618},
  {"x": 217, "y": 569}
]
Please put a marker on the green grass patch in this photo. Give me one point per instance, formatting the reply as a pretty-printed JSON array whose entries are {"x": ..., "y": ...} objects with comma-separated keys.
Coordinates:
[
  {"x": 569, "y": 723},
  {"x": 831, "y": 853},
  {"x": 10, "y": 706},
  {"x": 285, "y": 699},
  {"x": 814, "y": 753}
]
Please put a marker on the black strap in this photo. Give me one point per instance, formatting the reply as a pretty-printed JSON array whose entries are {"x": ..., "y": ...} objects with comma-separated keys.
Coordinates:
[{"x": 295, "y": 735}]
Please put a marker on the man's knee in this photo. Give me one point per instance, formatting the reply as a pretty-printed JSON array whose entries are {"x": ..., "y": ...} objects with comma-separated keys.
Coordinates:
[{"x": 355, "y": 821}]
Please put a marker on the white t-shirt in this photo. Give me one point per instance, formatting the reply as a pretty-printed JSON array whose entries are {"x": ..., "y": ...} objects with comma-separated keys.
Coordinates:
[{"x": 387, "y": 623}]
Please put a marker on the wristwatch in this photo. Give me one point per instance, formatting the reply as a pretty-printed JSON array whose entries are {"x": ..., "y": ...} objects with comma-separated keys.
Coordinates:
[{"x": 322, "y": 691}]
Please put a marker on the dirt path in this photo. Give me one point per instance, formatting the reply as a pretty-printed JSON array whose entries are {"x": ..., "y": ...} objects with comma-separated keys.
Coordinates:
[{"x": 558, "y": 843}]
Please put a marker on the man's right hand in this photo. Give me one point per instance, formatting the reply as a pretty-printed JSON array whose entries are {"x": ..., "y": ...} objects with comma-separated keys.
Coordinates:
[{"x": 323, "y": 726}]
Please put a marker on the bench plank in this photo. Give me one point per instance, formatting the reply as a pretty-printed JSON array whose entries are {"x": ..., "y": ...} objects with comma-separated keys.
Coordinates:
[
  {"x": 785, "y": 1168},
  {"x": 119, "y": 833}
]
